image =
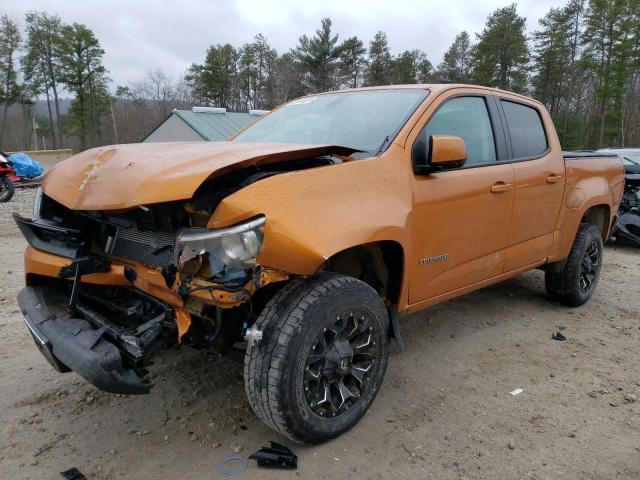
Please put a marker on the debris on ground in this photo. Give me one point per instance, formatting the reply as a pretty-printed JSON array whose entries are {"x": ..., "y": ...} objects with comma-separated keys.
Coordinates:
[
  {"x": 558, "y": 336},
  {"x": 517, "y": 391},
  {"x": 225, "y": 471},
  {"x": 73, "y": 474},
  {"x": 276, "y": 456}
]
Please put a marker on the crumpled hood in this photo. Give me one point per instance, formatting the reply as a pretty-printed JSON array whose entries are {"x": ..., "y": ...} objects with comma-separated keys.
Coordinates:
[{"x": 123, "y": 176}]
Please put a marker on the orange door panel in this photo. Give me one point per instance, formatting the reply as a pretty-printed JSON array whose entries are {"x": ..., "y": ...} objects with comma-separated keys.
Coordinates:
[
  {"x": 538, "y": 197},
  {"x": 460, "y": 223}
]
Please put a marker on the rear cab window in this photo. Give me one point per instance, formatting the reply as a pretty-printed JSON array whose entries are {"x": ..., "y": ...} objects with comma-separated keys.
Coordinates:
[{"x": 528, "y": 138}]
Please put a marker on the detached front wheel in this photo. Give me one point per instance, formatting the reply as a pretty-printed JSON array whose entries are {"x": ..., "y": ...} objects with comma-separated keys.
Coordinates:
[{"x": 322, "y": 358}]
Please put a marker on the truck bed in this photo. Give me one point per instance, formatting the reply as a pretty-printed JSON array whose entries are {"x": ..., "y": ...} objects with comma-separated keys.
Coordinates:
[{"x": 577, "y": 154}]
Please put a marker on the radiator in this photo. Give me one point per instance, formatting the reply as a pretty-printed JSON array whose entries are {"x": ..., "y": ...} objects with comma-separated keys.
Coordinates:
[{"x": 152, "y": 248}]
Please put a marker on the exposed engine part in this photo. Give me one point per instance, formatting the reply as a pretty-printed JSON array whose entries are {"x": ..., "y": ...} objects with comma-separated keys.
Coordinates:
[
  {"x": 211, "y": 193},
  {"x": 628, "y": 224}
]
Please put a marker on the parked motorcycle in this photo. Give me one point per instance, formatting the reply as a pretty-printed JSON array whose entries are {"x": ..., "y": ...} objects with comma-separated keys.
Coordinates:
[
  {"x": 7, "y": 177},
  {"x": 29, "y": 172}
]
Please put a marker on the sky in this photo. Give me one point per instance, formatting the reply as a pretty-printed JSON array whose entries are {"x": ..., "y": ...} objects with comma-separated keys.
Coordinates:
[{"x": 139, "y": 36}]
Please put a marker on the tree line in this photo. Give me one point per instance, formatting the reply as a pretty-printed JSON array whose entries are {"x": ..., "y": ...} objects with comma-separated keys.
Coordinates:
[{"x": 582, "y": 61}]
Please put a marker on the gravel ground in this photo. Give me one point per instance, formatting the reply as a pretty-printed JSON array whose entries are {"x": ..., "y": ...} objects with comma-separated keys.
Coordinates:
[{"x": 444, "y": 412}]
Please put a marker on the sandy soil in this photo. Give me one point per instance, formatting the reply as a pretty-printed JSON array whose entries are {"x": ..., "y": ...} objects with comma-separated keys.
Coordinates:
[{"x": 444, "y": 411}]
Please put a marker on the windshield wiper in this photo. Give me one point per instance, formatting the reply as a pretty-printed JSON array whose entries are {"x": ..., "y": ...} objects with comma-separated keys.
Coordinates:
[{"x": 382, "y": 145}]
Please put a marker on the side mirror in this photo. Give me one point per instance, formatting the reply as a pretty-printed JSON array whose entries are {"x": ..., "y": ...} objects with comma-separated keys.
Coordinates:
[{"x": 445, "y": 152}]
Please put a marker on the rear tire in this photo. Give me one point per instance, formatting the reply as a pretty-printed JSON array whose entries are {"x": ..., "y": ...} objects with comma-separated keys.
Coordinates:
[
  {"x": 7, "y": 189},
  {"x": 322, "y": 357},
  {"x": 575, "y": 284}
]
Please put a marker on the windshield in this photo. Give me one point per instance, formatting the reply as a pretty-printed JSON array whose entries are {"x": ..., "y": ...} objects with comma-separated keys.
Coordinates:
[
  {"x": 632, "y": 159},
  {"x": 363, "y": 120}
]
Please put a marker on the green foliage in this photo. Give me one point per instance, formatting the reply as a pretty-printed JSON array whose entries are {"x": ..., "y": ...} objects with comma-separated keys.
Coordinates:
[
  {"x": 352, "y": 62},
  {"x": 10, "y": 91},
  {"x": 582, "y": 62},
  {"x": 456, "y": 65},
  {"x": 10, "y": 40},
  {"x": 411, "y": 66},
  {"x": 609, "y": 45},
  {"x": 318, "y": 57},
  {"x": 256, "y": 64},
  {"x": 41, "y": 64},
  {"x": 213, "y": 81},
  {"x": 84, "y": 75},
  {"x": 501, "y": 55},
  {"x": 379, "y": 60}
]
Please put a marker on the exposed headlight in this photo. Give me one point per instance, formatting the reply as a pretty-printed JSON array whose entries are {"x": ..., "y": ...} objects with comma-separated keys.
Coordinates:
[
  {"x": 236, "y": 246},
  {"x": 37, "y": 204}
]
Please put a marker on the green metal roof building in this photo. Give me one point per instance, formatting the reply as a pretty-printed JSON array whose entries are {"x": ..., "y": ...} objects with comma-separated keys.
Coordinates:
[{"x": 201, "y": 124}]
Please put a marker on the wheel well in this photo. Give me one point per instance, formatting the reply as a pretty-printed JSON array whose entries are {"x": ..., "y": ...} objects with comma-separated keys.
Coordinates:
[
  {"x": 379, "y": 264},
  {"x": 598, "y": 215}
]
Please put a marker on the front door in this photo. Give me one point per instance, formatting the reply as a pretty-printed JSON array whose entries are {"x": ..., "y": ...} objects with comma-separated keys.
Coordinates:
[{"x": 460, "y": 218}]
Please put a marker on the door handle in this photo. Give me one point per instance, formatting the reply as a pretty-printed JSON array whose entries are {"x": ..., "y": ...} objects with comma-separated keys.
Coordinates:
[
  {"x": 554, "y": 178},
  {"x": 501, "y": 187}
]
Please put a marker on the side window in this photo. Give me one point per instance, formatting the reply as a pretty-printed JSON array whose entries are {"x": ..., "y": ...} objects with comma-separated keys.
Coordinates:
[
  {"x": 468, "y": 118},
  {"x": 525, "y": 127}
]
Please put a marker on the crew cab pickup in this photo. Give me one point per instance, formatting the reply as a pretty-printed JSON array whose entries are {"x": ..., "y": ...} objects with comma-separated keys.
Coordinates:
[{"x": 300, "y": 242}]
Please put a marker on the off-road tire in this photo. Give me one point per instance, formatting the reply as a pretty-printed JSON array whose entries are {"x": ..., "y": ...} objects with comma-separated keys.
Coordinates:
[
  {"x": 7, "y": 189},
  {"x": 564, "y": 286},
  {"x": 274, "y": 368}
]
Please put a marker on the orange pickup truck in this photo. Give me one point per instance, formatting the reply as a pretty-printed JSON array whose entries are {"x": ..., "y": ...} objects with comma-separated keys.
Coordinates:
[{"x": 301, "y": 241}]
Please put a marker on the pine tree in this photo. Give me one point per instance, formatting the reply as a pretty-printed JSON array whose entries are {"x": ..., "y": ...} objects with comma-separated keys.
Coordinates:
[
  {"x": 214, "y": 82},
  {"x": 608, "y": 39},
  {"x": 552, "y": 58},
  {"x": 411, "y": 66},
  {"x": 285, "y": 81},
  {"x": 10, "y": 40},
  {"x": 379, "y": 71},
  {"x": 501, "y": 54},
  {"x": 41, "y": 63},
  {"x": 318, "y": 57},
  {"x": 456, "y": 65},
  {"x": 256, "y": 60},
  {"x": 352, "y": 62},
  {"x": 84, "y": 75}
]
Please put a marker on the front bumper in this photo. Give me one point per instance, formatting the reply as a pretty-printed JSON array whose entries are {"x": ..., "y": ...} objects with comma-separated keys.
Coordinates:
[{"x": 75, "y": 344}]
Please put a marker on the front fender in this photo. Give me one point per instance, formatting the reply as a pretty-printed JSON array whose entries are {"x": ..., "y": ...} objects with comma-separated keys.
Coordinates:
[{"x": 315, "y": 213}]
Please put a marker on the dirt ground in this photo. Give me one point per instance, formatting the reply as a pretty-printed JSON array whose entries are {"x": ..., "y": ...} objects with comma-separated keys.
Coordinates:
[{"x": 444, "y": 411}]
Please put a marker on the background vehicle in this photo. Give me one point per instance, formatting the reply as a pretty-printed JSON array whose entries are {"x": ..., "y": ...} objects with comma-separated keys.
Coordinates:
[
  {"x": 17, "y": 169},
  {"x": 306, "y": 237},
  {"x": 7, "y": 177},
  {"x": 628, "y": 224}
]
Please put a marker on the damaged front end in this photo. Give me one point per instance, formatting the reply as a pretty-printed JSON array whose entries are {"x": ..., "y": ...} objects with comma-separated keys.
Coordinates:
[
  {"x": 106, "y": 290},
  {"x": 628, "y": 222}
]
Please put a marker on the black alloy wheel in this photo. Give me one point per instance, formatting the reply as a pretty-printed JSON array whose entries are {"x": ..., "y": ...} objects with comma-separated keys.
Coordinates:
[
  {"x": 338, "y": 364},
  {"x": 590, "y": 266}
]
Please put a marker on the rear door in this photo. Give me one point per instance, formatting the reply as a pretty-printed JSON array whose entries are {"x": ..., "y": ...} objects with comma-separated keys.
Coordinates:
[
  {"x": 539, "y": 184},
  {"x": 460, "y": 218}
]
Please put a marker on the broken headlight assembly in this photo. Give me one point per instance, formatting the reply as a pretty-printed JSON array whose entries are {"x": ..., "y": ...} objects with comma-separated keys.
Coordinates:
[{"x": 236, "y": 246}]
